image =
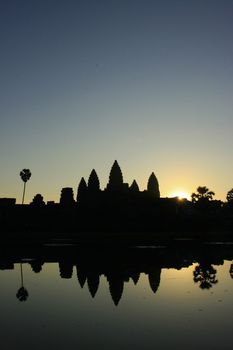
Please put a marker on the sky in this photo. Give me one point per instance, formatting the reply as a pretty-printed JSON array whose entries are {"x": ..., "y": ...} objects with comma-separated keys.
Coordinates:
[{"x": 146, "y": 82}]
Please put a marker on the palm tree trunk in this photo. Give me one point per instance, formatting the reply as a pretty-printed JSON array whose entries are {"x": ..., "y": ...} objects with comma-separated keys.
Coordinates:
[
  {"x": 21, "y": 274},
  {"x": 24, "y": 186}
]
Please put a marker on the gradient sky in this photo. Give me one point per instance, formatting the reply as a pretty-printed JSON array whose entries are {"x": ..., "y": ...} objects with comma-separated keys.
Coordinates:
[{"x": 146, "y": 82}]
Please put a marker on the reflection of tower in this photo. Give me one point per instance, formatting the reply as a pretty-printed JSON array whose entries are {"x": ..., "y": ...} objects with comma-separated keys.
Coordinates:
[
  {"x": 22, "y": 293},
  {"x": 135, "y": 277},
  {"x": 116, "y": 287},
  {"x": 93, "y": 283},
  {"x": 153, "y": 186},
  {"x": 154, "y": 278},
  {"x": 36, "y": 265},
  {"x": 81, "y": 275},
  {"x": 66, "y": 269}
]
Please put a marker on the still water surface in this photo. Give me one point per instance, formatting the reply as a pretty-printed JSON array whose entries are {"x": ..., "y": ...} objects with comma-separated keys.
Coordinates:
[{"x": 151, "y": 299}]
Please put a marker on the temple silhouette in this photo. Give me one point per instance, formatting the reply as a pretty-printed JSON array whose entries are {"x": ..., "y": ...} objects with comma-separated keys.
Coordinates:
[
  {"x": 116, "y": 192},
  {"x": 118, "y": 208}
]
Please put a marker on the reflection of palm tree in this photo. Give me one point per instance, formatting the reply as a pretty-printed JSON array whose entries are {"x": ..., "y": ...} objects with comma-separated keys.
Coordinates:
[
  {"x": 22, "y": 293},
  {"x": 25, "y": 175},
  {"x": 231, "y": 270},
  {"x": 205, "y": 274}
]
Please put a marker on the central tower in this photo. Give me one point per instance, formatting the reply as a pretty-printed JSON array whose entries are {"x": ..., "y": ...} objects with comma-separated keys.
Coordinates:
[{"x": 115, "y": 178}]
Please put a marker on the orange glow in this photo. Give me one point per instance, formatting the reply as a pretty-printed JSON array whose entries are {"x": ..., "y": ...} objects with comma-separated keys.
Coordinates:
[{"x": 180, "y": 194}]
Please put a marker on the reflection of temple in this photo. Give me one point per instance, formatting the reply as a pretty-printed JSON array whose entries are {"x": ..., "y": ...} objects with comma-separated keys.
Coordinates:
[{"x": 120, "y": 266}]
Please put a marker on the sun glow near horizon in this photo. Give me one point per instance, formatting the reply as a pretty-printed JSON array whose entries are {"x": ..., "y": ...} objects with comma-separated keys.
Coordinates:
[{"x": 180, "y": 194}]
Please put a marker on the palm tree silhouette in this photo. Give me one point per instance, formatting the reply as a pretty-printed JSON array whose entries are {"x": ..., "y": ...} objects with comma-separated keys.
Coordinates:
[
  {"x": 203, "y": 194},
  {"x": 230, "y": 196},
  {"x": 25, "y": 175},
  {"x": 205, "y": 274},
  {"x": 231, "y": 270},
  {"x": 22, "y": 293}
]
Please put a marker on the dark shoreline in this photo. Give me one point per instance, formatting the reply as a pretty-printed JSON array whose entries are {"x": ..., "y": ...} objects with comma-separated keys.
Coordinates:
[
  {"x": 126, "y": 225},
  {"x": 116, "y": 239},
  {"x": 176, "y": 254}
]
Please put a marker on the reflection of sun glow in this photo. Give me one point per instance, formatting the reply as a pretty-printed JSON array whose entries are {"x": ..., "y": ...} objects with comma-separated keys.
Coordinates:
[{"x": 180, "y": 195}]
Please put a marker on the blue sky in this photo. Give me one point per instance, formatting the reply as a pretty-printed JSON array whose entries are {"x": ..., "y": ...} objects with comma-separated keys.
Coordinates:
[{"x": 148, "y": 83}]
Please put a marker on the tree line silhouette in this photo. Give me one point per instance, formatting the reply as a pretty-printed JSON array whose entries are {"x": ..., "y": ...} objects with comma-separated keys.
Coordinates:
[
  {"x": 119, "y": 207},
  {"x": 116, "y": 184}
]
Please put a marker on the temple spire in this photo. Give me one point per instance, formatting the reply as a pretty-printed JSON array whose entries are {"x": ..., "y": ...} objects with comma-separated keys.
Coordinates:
[
  {"x": 115, "y": 177},
  {"x": 93, "y": 182},
  {"x": 134, "y": 187},
  {"x": 153, "y": 186},
  {"x": 82, "y": 190}
]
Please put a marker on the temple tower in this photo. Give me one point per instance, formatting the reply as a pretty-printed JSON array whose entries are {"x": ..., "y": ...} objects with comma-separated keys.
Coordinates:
[
  {"x": 93, "y": 182},
  {"x": 153, "y": 186},
  {"x": 115, "y": 178},
  {"x": 82, "y": 191},
  {"x": 134, "y": 187}
]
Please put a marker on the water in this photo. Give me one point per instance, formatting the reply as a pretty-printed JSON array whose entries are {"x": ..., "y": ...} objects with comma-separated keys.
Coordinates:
[{"x": 162, "y": 298}]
